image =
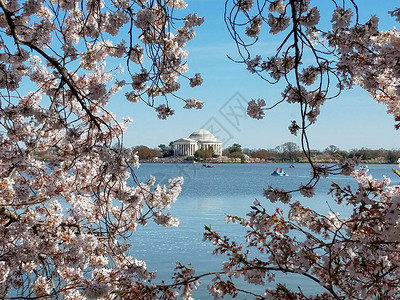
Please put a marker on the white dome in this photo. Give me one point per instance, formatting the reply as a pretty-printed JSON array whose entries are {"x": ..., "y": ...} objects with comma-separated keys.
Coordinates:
[{"x": 203, "y": 135}]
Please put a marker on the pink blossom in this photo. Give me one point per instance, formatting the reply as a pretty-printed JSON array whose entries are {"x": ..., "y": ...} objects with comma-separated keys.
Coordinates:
[
  {"x": 255, "y": 27},
  {"x": 95, "y": 289},
  {"x": 163, "y": 112},
  {"x": 307, "y": 191},
  {"x": 278, "y": 24},
  {"x": 245, "y": 5},
  {"x": 42, "y": 286},
  {"x": 196, "y": 80},
  {"x": 193, "y": 103},
  {"x": 341, "y": 18},
  {"x": 255, "y": 109}
]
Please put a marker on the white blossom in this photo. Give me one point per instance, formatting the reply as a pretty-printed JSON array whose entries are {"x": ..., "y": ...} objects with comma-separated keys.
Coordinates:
[{"x": 180, "y": 4}]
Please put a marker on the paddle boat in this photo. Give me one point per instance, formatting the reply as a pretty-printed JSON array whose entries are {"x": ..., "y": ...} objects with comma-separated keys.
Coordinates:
[{"x": 279, "y": 172}]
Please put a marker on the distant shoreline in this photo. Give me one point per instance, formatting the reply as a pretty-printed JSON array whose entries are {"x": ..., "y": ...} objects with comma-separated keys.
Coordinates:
[{"x": 175, "y": 160}]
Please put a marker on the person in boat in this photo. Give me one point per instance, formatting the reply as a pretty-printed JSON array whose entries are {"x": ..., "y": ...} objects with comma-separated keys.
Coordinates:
[
  {"x": 279, "y": 172},
  {"x": 276, "y": 172}
]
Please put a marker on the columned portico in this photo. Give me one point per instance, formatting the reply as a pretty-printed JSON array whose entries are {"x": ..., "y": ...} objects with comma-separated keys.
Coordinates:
[
  {"x": 185, "y": 147},
  {"x": 200, "y": 139}
]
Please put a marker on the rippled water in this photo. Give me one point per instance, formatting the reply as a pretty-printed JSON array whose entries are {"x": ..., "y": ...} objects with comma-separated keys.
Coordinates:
[{"x": 209, "y": 193}]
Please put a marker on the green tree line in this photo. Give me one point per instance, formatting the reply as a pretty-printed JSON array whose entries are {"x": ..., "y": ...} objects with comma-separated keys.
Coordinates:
[{"x": 288, "y": 152}]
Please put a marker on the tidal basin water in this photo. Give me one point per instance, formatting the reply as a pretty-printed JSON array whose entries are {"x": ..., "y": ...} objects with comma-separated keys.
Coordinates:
[{"x": 210, "y": 193}]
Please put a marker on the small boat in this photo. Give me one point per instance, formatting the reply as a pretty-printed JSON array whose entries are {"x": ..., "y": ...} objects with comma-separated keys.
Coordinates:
[
  {"x": 278, "y": 172},
  {"x": 208, "y": 166}
]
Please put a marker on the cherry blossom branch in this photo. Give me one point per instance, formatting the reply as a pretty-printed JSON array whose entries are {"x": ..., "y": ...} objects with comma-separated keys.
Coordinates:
[{"x": 64, "y": 75}]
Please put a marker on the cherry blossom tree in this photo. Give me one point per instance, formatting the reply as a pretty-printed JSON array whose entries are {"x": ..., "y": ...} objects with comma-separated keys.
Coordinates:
[
  {"x": 65, "y": 222},
  {"x": 354, "y": 257}
]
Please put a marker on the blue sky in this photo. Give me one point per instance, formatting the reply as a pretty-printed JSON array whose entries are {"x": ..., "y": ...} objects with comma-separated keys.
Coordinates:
[{"x": 353, "y": 120}]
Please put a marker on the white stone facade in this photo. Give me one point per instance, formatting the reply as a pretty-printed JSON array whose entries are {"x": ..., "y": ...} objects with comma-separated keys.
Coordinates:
[{"x": 200, "y": 139}]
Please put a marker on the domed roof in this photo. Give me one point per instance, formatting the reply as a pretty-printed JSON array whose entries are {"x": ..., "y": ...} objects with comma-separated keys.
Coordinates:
[{"x": 203, "y": 135}]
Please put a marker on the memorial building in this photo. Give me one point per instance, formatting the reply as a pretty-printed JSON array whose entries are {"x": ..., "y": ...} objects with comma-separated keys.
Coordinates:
[{"x": 200, "y": 139}]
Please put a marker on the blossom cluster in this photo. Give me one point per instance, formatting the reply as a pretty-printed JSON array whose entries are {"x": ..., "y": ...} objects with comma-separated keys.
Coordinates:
[
  {"x": 193, "y": 103},
  {"x": 255, "y": 108},
  {"x": 274, "y": 194},
  {"x": 166, "y": 50},
  {"x": 372, "y": 56}
]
